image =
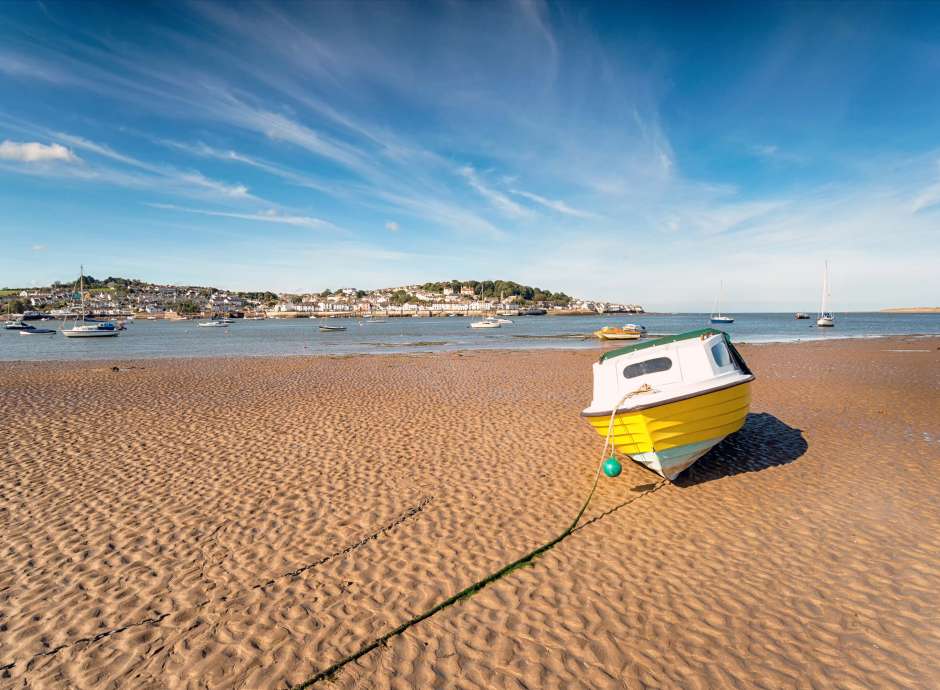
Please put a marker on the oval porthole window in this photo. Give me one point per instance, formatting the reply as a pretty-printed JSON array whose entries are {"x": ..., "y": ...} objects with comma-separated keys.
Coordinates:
[
  {"x": 720, "y": 353},
  {"x": 650, "y": 366}
]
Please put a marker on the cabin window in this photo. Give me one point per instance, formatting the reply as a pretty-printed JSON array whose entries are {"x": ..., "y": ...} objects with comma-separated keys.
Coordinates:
[
  {"x": 720, "y": 353},
  {"x": 650, "y": 366}
]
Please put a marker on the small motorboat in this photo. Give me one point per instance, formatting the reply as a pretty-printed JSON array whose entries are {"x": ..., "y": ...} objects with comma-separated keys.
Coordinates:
[
  {"x": 332, "y": 328},
  {"x": 613, "y": 333},
  {"x": 486, "y": 323},
  {"x": 33, "y": 330},
  {"x": 214, "y": 323},
  {"x": 802, "y": 315},
  {"x": 635, "y": 327},
  {"x": 16, "y": 326},
  {"x": 666, "y": 402}
]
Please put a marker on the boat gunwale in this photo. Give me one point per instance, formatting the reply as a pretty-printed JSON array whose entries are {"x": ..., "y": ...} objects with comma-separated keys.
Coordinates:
[
  {"x": 688, "y": 396},
  {"x": 665, "y": 340}
]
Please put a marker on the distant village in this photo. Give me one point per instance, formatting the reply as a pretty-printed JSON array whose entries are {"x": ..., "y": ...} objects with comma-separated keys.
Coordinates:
[{"x": 121, "y": 297}]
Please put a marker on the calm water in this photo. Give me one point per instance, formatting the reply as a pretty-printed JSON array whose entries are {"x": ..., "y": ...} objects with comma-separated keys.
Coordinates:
[{"x": 146, "y": 339}]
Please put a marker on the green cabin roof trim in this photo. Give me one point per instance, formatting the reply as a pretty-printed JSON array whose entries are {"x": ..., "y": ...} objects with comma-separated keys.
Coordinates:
[{"x": 688, "y": 335}]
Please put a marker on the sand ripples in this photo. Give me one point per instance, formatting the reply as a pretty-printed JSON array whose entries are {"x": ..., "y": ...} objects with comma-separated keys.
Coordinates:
[{"x": 245, "y": 523}]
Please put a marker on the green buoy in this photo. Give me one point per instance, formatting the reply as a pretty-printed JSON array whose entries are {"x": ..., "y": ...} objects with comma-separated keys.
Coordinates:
[{"x": 612, "y": 467}]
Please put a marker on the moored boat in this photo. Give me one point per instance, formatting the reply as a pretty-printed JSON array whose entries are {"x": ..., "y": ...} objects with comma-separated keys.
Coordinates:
[
  {"x": 90, "y": 330},
  {"x": 486, "y": 323},
  {"x": 667, "y": 402},
  {"x": 717, "y": 316},
  {"x": 83, "y": 328},
  {"x": 802, "y": 315},
  {"x": 613, "y": 333},
  {"x": 33, "y": 330},
  {"x": 213, "y": 323},
  {"x": 332, "y": 328},
  {"x": 826, "y": 319}
]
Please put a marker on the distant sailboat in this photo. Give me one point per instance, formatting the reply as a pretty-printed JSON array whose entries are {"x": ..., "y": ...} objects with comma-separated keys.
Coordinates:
[
  {"x": 826, "y": 319},
  {"x": 88, "y": 330},
  {"x": 716, "y": 316}
]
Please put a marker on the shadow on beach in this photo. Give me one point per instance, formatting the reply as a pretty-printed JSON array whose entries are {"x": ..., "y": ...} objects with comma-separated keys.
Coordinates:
[{"x": 764, "y": 441}]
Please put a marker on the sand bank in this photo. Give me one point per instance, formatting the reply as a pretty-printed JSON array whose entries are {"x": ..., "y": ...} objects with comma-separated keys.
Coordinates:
[{"x": 246, "y": 522}]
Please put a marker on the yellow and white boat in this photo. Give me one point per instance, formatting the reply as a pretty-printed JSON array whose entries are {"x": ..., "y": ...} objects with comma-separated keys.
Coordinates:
[
  {"x": 612, "y": 333},
  {"x": 666, "y": 402}
]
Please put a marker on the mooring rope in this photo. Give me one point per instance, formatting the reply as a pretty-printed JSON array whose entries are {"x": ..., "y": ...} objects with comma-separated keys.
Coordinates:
[{"x": 489, "y": 579}]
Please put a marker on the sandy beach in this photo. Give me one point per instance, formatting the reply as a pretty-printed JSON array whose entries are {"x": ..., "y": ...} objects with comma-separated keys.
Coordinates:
[{"x": 245, "y": 523}]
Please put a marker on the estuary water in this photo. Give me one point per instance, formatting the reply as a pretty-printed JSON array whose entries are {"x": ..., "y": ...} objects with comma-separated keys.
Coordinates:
[{"x": 148, "y": 339}]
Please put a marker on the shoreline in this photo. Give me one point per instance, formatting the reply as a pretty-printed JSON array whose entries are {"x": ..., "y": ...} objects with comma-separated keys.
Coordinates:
[{"x": 382, "y": 349}]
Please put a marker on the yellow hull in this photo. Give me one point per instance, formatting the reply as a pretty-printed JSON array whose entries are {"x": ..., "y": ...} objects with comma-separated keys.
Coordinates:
[
  {"x": 672, "y": 425},
  {"x": 616, "y": 334}
]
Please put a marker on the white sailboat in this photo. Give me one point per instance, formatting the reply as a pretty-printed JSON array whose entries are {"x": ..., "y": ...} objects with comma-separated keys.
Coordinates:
[
  {"x": 81, "y": 329},
  {"x": 826, "y": 319},
  {"x": 716, "y": 316}
]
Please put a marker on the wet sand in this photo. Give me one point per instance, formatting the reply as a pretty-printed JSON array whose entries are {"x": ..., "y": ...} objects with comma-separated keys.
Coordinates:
[{"x": 244, "y": 523}]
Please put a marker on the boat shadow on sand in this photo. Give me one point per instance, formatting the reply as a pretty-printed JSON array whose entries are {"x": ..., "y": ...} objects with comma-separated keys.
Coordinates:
[{"x": 764, "y": 441}]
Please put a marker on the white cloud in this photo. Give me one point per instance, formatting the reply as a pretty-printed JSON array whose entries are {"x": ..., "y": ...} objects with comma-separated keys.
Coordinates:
[
  {"x": 34, "y": 152},
  {"x": 497, "y": 199},
  {"x": 765, "y": 150},
  {"x": 269, "y": 216},
  {"x": 391, "y": 226},
  {"x": 929, "y": 196},
  {"x": 205, "y": 151},
  {"x": 39, "y": 247},
  {"x": 238, "y": 191},
  {"x": 555, "y": 205}
]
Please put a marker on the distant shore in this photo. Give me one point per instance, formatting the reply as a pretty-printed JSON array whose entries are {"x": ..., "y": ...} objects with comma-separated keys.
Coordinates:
[{"x": 912, "y": 310}]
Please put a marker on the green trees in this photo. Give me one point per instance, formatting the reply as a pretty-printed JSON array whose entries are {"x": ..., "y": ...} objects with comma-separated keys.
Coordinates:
[
  {"x": 494, "y": 289},
  {"x": 187, "y": 307},
  {"x": 399, "y": 297}
]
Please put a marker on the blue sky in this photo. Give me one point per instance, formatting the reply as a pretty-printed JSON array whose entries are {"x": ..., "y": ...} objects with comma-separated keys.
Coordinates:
[{"x": 634, "y": 153}]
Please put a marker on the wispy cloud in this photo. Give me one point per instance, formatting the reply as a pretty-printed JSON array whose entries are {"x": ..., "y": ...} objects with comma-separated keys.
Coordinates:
[
  {"x": 773, "y": 152},
  {"x": 269, "y": 216},
  {"x": 34, "y": 152},
  {"x": 928, "y": 197},
  {"x": 554, "y": 204},
  {"x": 391, "y": 226},
  {"x": 497, "y": 199},
  {"x": 39, "y": 247},
  {"x": 203, "y": 150}
]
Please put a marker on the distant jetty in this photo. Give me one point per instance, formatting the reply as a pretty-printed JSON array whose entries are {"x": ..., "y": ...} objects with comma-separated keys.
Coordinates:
[{"x": 912, "y": 310}]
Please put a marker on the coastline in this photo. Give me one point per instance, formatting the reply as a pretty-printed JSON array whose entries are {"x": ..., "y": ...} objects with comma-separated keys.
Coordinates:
[
  {"x": 250, "y": 520},
  {"x": 911, "y": 310},
  {"x": 532, "y": 342}
]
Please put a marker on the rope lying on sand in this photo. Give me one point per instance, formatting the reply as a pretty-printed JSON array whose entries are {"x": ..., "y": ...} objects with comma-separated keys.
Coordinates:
[{"x": 489, "y": 579}]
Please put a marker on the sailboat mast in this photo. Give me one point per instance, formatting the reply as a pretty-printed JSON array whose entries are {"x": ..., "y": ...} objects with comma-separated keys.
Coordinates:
[{"x": 825, "y": 288}]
